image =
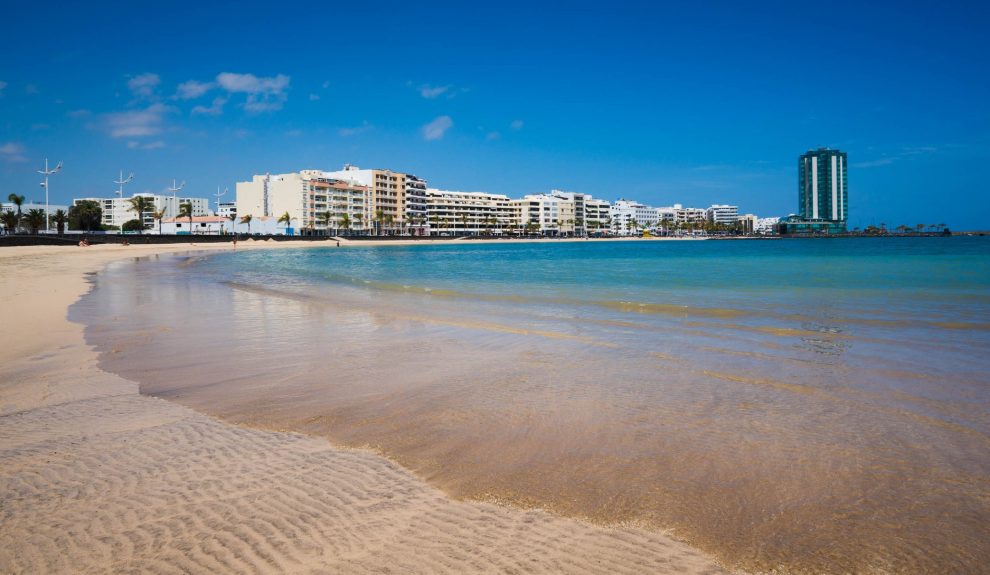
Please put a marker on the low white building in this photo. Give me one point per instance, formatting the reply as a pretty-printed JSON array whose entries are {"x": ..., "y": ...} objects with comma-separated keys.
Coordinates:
[
  {"x": 766, "y": 225},
  {"x": 226, "y": 209},
  {"x": 117, "y": 211},
  {"x": 220, "y": 225}
]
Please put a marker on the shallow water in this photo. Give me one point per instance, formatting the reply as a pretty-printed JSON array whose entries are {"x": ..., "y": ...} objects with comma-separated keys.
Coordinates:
[{"x": 801, "y": 405}]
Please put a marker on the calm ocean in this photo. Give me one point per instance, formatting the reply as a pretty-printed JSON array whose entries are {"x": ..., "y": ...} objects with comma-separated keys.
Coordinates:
[{"x": 803, "y": 405}]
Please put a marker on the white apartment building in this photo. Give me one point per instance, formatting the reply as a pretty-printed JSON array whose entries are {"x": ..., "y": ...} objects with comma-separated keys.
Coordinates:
[
  {"x": 117, "y": 211},
  {"x": 629, "y": 217},
  {"x": 467, "y": 213},
  {"x": 538, "y": 213},
  {"x": 722, "y": 214},
  {"x": 596, "y": 214},
  {"x": 315, "y": 201},
  {"x": 414, "y": 206},
  {"x": 680, "y": 215},
  {"x": 227, "y": 209}
]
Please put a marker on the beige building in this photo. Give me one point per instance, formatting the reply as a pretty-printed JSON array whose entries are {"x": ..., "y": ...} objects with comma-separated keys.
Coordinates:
[
  {"x": 396, "y": 201},
  {"x": 310, "y": 197}
]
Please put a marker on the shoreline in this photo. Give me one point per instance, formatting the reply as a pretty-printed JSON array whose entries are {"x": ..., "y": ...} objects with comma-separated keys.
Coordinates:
[{"x": 99, "y": 477}]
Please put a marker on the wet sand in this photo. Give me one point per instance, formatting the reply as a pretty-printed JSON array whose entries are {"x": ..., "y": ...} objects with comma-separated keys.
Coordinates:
[
  {"x": 771, "y": 441},
  {"x": 97, "y": 478}
]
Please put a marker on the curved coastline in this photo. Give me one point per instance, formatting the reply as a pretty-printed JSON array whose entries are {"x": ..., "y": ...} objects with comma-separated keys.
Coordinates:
[{"x": 98, "y": 477}]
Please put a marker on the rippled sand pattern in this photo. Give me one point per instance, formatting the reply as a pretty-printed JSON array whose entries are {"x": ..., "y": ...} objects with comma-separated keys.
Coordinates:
[
  {"x": 134, "y": 484},
  {"x": 779, "y": 442}
]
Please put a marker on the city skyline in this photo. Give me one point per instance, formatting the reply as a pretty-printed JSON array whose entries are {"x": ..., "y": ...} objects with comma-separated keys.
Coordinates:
[{"x": 642, "y": 102}]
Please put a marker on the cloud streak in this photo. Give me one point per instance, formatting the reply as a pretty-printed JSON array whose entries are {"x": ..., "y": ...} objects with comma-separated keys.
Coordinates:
[
  {"x": 12, "y": 152},
  {"x": 436, "y": 129},
  {"x": 193, "y": 89},
  {"x": 215, "y": 109},
  {"x": 348, "y": 132},
  {"x": 430, "y": 92},
  {"x": 264, "y": 94},
  {"x": 136, "y": 123},
  {"x": 144, "y": 85}
]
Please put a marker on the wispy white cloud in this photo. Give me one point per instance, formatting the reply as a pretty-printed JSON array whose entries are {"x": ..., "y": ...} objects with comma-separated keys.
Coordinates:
[
  {"x": 314, "y": 97},
  {"x": 264, "y": 94},
  {"x": 874, "y": 163},
  {"x": 430, "y": 92},
  {"x": 491, "y": 136},
  {"x": 2, "y": 86},
  {"x": 79, "y": 114},
  {"x": 193, "y": 89},
  {"x": 326, "y": 84},
  {"x": 348, "y": 132},
  {"x": 12, "y": 152},
  {"x": 214, "y": 109},
  {"x": 157, "y": 144},
  {"x": 144, "y": 85},
  {"x": 517, "y": 125},
  {"x": 905, "y": 153},
  {"x": 136, "y": 123},
  {"x": 295, "y": 133},
  {"x": 30, "y": 89},
  {"x": 436, "y": 129}
]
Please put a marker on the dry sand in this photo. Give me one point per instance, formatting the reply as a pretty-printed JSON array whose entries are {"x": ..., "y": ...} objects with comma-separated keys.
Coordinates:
[{"x": 96, "y": 478}]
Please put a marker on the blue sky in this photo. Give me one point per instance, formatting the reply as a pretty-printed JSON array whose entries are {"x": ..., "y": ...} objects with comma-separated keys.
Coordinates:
[{"x": 687, "y": 102}]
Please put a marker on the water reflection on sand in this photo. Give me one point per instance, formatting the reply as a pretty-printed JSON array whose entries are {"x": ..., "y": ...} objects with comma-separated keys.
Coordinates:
[{"x": 809, "y": 441}]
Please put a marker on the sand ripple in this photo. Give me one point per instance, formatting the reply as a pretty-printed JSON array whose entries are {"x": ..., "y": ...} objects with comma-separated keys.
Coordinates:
[{"x": 130, "y": 483}]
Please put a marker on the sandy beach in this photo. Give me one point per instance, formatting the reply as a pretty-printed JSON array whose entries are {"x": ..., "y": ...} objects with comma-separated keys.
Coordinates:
[{"x": 97, "y": 478}]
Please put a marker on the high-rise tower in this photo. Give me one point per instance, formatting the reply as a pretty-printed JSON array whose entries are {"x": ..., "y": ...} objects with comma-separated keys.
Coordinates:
[{"x": 823, "y": 192}]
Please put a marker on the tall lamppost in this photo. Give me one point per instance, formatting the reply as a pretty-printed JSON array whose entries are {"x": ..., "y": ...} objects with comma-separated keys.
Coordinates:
[
  {"x": 46, "y": 172},
  {"x": 218, "y": 194},
  {"x": 120, "y": 194},
  {"x": 173, "y": 207}
]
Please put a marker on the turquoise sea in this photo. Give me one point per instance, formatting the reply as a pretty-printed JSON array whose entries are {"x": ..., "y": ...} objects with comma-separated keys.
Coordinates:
[{"x": 801, "y": 405}]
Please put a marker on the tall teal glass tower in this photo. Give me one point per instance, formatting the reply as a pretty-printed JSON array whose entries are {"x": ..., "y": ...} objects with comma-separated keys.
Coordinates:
[{"x": 823, "y": 192}]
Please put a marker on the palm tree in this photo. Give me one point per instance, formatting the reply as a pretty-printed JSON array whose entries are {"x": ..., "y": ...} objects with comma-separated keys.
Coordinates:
[
  {"x": 10, "y": 220},
  {"x": 246, "y": 219},
  {"x": 360, "y": 220},
  {"x": 34, "y": 219},
  {"x": 389, "y": 221},
  {"x": 285, "y": 219},
  {"x": 345, "y": 221},
  {"x": 233, "y": 219},
  {"x": 327, "y": 218},
  {"x": 159, "y": 215},
  {"x": 140, "y": 205},
  {"x": 60, "y": 218},
  {"x": 186, "y": 211},
  {"x": 17, "y": 201}
]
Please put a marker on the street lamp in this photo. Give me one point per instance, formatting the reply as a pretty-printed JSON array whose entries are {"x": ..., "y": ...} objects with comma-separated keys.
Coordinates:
[
  {"x": 46, "y": 172},
  {"x": 218, "y": 194},
  {"x": 173, "y": 207}
]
